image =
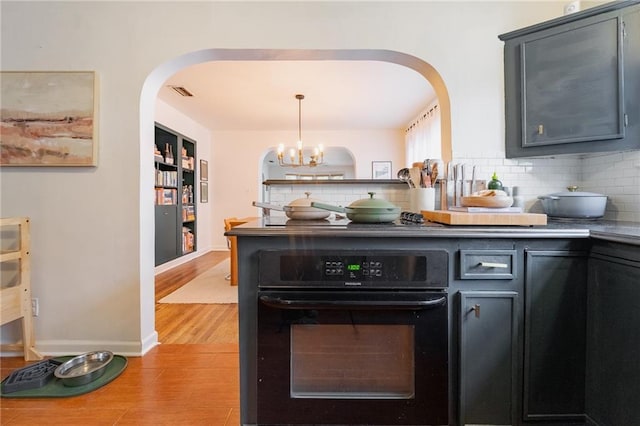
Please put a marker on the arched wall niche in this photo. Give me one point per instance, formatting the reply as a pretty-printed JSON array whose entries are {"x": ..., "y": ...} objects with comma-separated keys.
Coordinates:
[
  {"x": 149, "y": 94},
  {"x": 339, "y": 161}
]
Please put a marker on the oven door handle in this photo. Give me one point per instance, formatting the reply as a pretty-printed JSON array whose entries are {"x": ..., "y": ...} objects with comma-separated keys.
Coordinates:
[{"x": 281, "y": 303}]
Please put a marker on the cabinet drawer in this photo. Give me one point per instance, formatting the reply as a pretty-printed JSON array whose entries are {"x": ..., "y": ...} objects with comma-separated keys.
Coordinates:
[{"x": 487, "y": 264}]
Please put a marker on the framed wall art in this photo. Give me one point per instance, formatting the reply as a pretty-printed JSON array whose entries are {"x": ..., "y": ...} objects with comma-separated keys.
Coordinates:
[
  {"x": 381, "y": 170},
  {"x": 204, "y": 192},
  {"x": 204, "y": 170},
  {"x": 48, "y": 118}
]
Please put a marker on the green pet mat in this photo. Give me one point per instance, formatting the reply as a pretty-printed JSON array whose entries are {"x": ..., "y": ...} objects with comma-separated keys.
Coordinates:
[{"x": 55, "y": 388}]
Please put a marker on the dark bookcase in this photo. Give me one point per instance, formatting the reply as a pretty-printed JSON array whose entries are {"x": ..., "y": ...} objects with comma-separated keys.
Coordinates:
[{"x": 176, "y": 194}]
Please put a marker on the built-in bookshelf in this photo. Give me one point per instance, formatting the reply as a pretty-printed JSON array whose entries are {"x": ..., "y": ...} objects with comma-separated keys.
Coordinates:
[{"x": 175, "y": 194}]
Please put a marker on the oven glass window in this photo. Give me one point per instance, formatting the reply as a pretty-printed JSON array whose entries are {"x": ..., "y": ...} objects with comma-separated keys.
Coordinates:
[{"x": 352, "y": 361}]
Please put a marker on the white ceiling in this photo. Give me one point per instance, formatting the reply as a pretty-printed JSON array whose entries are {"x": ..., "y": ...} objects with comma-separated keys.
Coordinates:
[{"x": 339, "y": 95}]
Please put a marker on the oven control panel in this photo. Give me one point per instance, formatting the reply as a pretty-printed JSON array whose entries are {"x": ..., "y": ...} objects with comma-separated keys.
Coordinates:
[
  {"x": 388, "y": 269},
  {"x": 354, "y": 269}
]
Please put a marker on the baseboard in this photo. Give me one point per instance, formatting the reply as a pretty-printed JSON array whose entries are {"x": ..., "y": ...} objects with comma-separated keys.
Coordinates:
[
  {"x": 49, "y": 348},
  {"x": 179, "y": 261},
  {"x": 74, "y": 347},
  {"x": 149, "y": 343}
]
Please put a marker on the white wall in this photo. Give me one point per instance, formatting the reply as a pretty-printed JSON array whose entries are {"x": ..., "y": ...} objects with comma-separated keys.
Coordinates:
[{"x": 92, "y": 242}]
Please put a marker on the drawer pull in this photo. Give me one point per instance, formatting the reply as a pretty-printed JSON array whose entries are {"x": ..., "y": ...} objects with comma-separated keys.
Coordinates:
[{"x": 494, "y": 265}]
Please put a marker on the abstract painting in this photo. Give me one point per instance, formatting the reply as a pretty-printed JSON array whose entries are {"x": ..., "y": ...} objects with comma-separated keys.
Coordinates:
[{"x": 48, "y": 118}]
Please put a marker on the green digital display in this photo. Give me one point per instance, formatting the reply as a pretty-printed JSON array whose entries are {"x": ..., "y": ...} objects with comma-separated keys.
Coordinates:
[{"x": 353, "y": 267}]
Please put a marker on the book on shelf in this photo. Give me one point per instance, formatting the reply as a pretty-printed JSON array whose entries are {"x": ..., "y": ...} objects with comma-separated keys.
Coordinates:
[
  {"x": 188, "y": 240},
  {"x": 188, "y": 213},
  {"x": 486, "y": 209},
  {"x": 166, "y": 196},
  {"x": 166, "y": 178}
]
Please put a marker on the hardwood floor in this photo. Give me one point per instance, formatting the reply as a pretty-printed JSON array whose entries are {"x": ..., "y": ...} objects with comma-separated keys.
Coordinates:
[
  {"x": 193, "y": 383},
  {"x": 193, "y": 323}
]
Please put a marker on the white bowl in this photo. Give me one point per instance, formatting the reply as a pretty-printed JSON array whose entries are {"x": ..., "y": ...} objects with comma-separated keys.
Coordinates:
[{"x": 495, "y": 201}]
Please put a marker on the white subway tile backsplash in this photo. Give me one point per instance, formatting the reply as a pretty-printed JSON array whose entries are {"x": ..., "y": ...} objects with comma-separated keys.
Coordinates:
[{"x": 616, "y": 175}]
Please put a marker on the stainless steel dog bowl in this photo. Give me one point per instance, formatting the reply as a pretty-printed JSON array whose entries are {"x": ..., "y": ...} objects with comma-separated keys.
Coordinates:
[{"x": 84, "y": 368}]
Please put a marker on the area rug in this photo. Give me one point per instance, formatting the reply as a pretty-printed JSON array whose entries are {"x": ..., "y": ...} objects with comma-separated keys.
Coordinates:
[
  {"x": 56, "y": 389},
  {"x": 208, "y": 287}
]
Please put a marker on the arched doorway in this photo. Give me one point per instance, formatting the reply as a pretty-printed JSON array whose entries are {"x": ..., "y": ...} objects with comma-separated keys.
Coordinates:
[{"x": 149, "y": 94}]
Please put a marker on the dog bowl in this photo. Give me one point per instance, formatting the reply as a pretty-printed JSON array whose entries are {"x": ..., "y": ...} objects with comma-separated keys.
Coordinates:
[{"x": 84, "y": 368}]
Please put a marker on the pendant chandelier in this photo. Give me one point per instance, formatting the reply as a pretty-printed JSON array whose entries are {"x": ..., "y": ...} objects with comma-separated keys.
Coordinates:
[{"x": 296, "y": 156}]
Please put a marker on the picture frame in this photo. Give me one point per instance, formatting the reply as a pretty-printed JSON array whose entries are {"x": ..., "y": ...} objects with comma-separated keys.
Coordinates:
[
  {"x": 381, "y": 170},
  {"x": 59, "y": 109},
  {"x": 204, "y": 170},
  {"x": 204, "y": 192}
]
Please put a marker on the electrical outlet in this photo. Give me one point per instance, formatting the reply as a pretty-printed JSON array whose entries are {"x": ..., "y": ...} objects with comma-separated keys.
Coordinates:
[{"x": 35, "y": 307}]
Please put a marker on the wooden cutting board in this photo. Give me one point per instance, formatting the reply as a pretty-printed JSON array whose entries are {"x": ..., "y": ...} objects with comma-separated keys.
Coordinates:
[{"x": 465, "y": 218}]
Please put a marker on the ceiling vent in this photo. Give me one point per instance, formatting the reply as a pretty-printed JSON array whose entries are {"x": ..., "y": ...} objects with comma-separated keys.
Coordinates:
[{"x": 182, "y": 91}]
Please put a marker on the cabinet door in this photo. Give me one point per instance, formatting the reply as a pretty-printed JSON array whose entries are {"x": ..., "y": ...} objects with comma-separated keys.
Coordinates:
[
  {"x": 554, "y": 336},
  {"x": 488, "y": 357},
  {"x": 613, "y": 345},
  {"x": 572, "y": 84},
  {"x": 167, "y": 247}
]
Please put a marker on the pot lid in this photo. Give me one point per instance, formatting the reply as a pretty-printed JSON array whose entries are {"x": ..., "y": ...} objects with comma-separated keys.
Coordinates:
[
  {"x": 372, "y": 203},
  {"x": 302, "y": 202},
  {"x": 573, "y": 192}
]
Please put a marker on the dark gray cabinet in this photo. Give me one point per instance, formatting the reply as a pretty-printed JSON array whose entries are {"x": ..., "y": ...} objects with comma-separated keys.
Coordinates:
[
  {"x": 487, "y": 321},
  {"x": 554, "y": 334},
  {"x": 167, "y": 237},
  {"x": 521, "y": 324},
  {"x": 568, "y": 76},
  {"x": 175, "y": 195},
  {"x": 613, "y": 344},
  {"x": 572, "y": 84},
  {"x": 488, "y": 340}
]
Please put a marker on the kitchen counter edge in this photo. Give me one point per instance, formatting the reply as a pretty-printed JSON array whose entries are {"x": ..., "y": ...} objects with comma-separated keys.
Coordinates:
[{"x": 622, "y": 232}]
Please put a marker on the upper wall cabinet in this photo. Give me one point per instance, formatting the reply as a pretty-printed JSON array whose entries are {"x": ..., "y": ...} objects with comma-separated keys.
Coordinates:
[{"x": 572, "y": 85}]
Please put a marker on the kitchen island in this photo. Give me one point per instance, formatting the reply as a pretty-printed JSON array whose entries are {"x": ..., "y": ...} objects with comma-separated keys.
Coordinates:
[{"x": 526, "y": 311}]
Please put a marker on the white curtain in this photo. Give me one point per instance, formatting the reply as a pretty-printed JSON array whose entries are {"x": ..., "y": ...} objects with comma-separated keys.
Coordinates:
[{"x": 422, "y": 138}]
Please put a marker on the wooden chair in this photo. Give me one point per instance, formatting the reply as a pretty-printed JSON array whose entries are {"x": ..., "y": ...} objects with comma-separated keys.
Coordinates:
[
  {"x": 229, "y": 223},
  {"x": 227, "y": 226}
]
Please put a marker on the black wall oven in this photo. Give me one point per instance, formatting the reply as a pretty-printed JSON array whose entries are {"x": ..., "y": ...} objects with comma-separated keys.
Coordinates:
[{"x": 357, "y": 338}]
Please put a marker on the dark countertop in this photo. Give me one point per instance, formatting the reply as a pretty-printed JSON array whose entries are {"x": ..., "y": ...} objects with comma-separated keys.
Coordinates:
[
  {"x": 335, "y": 182},
  {"x": 623, "y": 232}
]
